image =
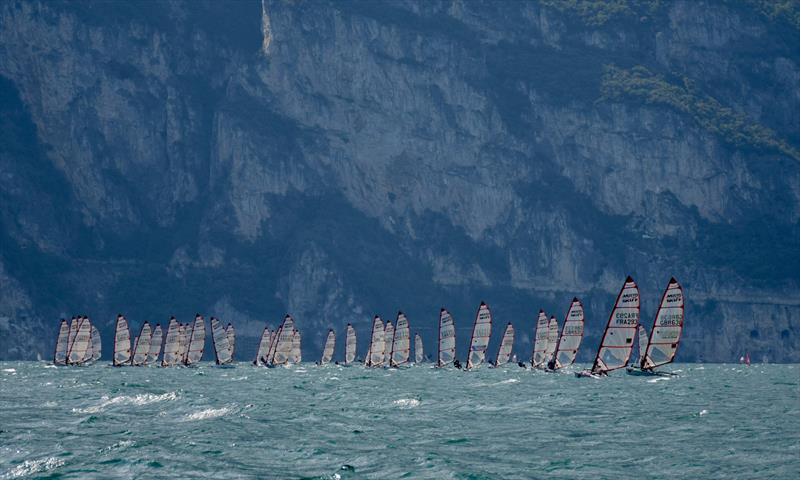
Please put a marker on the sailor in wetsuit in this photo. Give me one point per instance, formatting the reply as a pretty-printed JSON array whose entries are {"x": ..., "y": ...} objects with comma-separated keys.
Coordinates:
[{"x": 457, "y": 364}]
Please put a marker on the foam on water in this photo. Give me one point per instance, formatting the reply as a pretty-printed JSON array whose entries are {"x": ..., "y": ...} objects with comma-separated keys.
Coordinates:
[{"x": 99, "y": 422}]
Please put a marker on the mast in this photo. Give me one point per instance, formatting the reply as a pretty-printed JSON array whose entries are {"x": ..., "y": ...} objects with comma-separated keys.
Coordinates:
[
  {"x": 142, "y": 345},
  {"x": 122, "y": 342},
  {"x": 481, "y": 331},
  {"x": 330, "y": 344},
  {"x": 401, "y": 343},
  {"x": 447, "y": 339},
  {"x": 388, "y": 343},
  {"x": 283, "y": 342},
  {"x": 350, "y": 345},
  {"x": 197, "y": 341},
  {"x": 97, "y": 345},
  {"x": 552, "y": 340},
  {"x": 155, "y": 345},
  {"x": 60, "y": 354},
  {"x": 571, "y": 336},
  {"x": 506, "y": 345},
  {"x": 231, "y": 333},
  {"x": 540, "y": 342},
  {"x": 263, "y": 347},
  {"x": 377, "y": 344},
  {"x": 617, "y": 343},
  {"x": 667, "y": 328}
]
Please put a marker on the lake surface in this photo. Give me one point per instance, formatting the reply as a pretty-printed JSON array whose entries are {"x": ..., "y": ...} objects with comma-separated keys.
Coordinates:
[{"x": 712, "y": 421}]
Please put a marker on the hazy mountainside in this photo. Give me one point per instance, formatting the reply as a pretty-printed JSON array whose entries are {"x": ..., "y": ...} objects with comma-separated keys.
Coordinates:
[{"x": 340, "y": 159}]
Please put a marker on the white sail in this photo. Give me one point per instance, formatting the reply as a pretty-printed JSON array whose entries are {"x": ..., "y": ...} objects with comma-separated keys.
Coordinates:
[
  {"x": 401, "y": 344},
  {"x": 552, "y": 340},
  {"x": 481, "y": 332},
  {"x": 617, "y": 343},
  {"x": 504, "y": 352},
  {"x": 80, "y": 345},
  {"x": 642, "y": 334},
  {"x": 330, "y": 344},
  {"x": 60, "y": 355},
  {"x": 447, "y": 339},
  {"x": 97, "y": 344},
  {"x": 296, "y": 355},
  {"x": 183, "y": 342},
  {"x": 419, "y": 354},
  {"x": 219, "y": 337},
  {"x": 155, "y": 345},
  {"x": 263, "y": 347},
  {"x": 539, "y": 356},
  {"x": 229, "y": 330},
  {"x": 283, "y": 342},
  {"x": 350, "y": 345},
  {"x": 142, "y": 345},
  {"x": 388, "y": 338},
  {"x": 667, "y": 328},
  {"x": 172, "y": 346},
  {"x": 122, "y": 342},
  {"x": 273, "y": 345},
  {"x": 197, "y": 341},
  {"x": 571, "y": 336},
  {"x": 376, "y": 344}
]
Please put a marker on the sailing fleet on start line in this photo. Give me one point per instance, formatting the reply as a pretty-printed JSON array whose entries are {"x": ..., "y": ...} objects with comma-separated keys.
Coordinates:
[{"x": 554, "y": 347}]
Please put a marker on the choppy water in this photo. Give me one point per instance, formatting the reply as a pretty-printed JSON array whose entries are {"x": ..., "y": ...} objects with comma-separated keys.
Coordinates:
[{"x": 718, "y": 421}]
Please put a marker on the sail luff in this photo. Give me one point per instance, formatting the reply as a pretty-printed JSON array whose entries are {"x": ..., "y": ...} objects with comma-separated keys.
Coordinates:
[
  {"x": 447, "y": 340},
  {"x": 506, "y": 345},
  {"x": 377, "y": 344},
  {"x": 172, "y": 344},
  {"x": 665, "y": 335},
  {"x": 617, "y": 342},
  {"x": 122, "y": 342},
  {"x": 401, "y": 342},
  {"x": 330, "y": 344}
]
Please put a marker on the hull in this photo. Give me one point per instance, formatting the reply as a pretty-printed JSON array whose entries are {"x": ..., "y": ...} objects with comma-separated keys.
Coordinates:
[
  {"x": 586, "y": 374},
  {"x": 638, "y": 372}
]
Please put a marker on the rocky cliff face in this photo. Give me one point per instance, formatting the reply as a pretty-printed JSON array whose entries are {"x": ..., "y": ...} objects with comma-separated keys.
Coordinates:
[{"x": 339, "y": 159}]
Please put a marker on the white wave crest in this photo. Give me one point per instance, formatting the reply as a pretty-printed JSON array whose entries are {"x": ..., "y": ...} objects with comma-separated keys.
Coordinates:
[
  {"x": 29, "y": 467},
  {"x": 9, "y": 370},
  {"x": 407, "y": 402},
  {"x": 208, "y": 413},
  {"x": 142, "y": 399}
]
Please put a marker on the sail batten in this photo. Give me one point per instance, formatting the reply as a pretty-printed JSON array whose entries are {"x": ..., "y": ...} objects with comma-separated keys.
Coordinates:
[
  {"x": 377, "y": 345},
  {"x": 665, "y": 335},
  {"x": 197, "y": 341},
  {"x": 539, "y": 356},
  {"x": 481, "y": 332},
  {"x": 447, "y": 339},
  {"x": 220, "y": 340},
  {"x": 419, "y": 353},
  {"x": 172, "y": 344},
  {"x": 617, "y": 343},
  {"x": 122, "y": 342},
  {"x": 263, "y": 347},
  {"x": 142, "y": 345},
  {"x": 60, "y": 354},
  {"x": 571, "y": 336}
]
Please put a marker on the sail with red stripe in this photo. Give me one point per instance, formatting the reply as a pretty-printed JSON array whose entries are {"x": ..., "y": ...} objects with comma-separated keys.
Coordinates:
[
  {"x": 122, "y": 342},
  {"x": 401, "y": 343},
  {"x": 506, "y": 345},
  {"x": 377, "y": 344},
  {"x": 350, "y": 345},
  {"x": 60, "y": 354},
  {"x": 667, "y": 328},
  {"x": 617, "y": 343},
  {"x": 539, "y": 357},
  {"x": 571, "y": 336},
  {"x": 447, "y": 339},
  {"x": 481, "y": 332},
  {"x": 81, "y": 343},
  {"x": 327, "y": 351}
]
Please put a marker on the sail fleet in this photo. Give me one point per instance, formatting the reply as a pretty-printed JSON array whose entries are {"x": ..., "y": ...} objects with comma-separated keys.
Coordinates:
[{"x": 555, "y": 346}]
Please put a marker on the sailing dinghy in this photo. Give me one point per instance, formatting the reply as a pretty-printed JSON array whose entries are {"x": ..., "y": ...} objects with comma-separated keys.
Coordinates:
[
  {"x": 552, "y": 342},
  {"x": 220, "y": 339},
  {"x": 142, "y": 345},
  {"x": 330, "y": 344},
  {"x": 506, "y": 344},
  {"x": 283, "y": 343},
  {"x": 60, "y": 354},
  {"x": 80, "y": 349},
  {"x": 447, "y": 339},
  {"x": 539, "y": 357},
  {"x": 377, "y": 344},
  {"x": 122, "y": 343},
  {"x": 197, "y": 342},
  {"x": 481, "y": 332},
  {"x": 263, "y": 347},
  {"x": 401, "y": 342},
  {"x": 350, "y": 345},
  {"x": 388, "y": 337},
  {"x": 97, "y": 344},
  {"x": 297, "y": 355},
  {"x": 617, "y": 343},
  {"x": 155, "y": 345},
  {"x": 231, "y": 333},
  {"x": 419, "y": 354},
  {"x": 571, "y": 336},
  {"x": 665, "y": 335},
  {"x": 172, "y": 346}
]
